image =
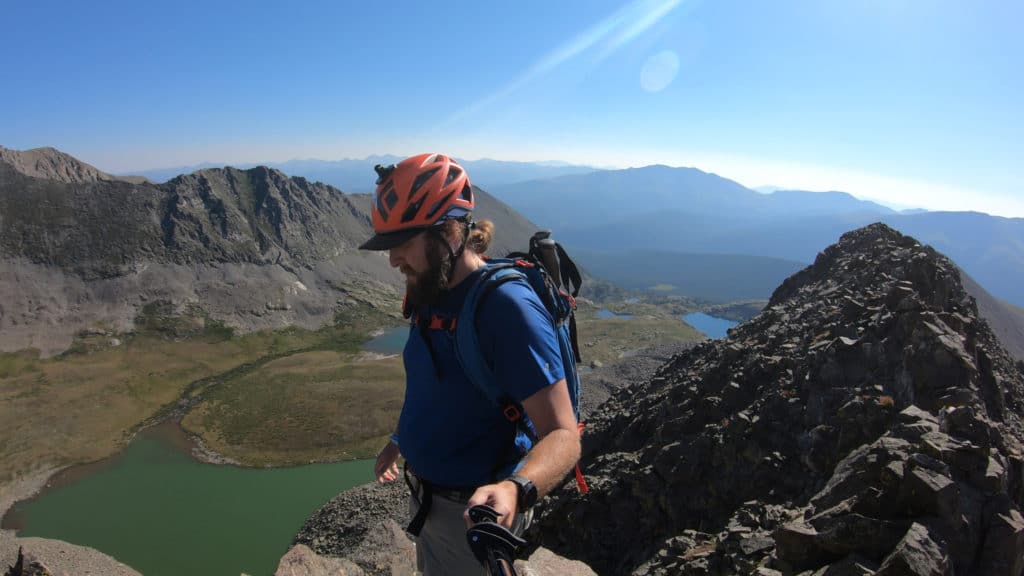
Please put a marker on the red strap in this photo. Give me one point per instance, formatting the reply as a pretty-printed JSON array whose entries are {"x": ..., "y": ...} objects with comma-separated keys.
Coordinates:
[
  {"x": 581, "y": 483},
  {"x": 572, "y": 301},
  {"x": 443, "y": 323},
  {"x": 523, "y": 263}
]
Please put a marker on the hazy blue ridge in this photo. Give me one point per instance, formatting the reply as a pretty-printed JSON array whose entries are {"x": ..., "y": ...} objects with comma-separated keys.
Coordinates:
[
  {"x": 687, "y": 210},
  {"x": 711, "y": 277}
]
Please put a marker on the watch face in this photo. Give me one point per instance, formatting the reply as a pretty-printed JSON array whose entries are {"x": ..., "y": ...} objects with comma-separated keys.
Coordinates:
[{"x": 530, "y": 496}]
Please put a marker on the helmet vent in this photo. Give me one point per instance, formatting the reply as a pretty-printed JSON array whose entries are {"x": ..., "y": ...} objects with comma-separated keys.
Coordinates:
[
  {"x": 467, "y": 193},
  {"x": 414, "y": 208},
  {"x": 390, "y": 198},
  {"x": 437, "y": 205},
  {"x": 421, "y": 180},
  {"x": 453, "y": 173}
]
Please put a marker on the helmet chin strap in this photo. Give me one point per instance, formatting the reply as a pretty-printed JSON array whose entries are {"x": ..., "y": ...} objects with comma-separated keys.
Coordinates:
[{"x": 454, "y": 255}]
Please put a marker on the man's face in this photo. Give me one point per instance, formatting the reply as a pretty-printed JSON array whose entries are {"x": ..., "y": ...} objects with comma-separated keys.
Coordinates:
[{"x": 425, "y": 262}]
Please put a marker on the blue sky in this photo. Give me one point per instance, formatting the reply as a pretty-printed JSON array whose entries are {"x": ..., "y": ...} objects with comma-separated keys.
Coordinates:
[{"x": 914, "y": 102}]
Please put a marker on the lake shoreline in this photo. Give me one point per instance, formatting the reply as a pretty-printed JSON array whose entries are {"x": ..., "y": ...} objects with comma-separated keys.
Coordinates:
[
  {"x": 67, "y": 554},
  {"x": 25, "y": 487},
  {"x": 30, "y": 485},
  {"x": 59, "y": 555}
]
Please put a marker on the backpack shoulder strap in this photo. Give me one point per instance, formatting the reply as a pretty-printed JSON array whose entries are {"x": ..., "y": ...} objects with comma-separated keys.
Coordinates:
[{"x": 467, "y": 341}]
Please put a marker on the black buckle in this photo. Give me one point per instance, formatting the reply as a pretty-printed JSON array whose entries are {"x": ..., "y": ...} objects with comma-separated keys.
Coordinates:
[{"x": 512, "y": 413}]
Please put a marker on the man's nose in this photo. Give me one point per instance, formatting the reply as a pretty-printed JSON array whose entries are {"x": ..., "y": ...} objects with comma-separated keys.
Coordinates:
[{"x": 394, "y": 259}]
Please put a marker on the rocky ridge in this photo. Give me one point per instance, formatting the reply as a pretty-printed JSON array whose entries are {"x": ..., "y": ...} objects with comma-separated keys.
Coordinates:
[
  {"x": 867, "y": 421},
  {"x": 52, "y": 164},
  {"x": 253, "y": 249}
]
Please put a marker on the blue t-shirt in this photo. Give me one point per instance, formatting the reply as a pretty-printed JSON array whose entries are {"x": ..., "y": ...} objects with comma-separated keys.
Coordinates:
[{"x": 449, "y": 432}]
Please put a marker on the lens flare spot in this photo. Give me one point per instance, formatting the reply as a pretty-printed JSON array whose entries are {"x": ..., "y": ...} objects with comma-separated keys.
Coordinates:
[{"x": 659, "y": 71}]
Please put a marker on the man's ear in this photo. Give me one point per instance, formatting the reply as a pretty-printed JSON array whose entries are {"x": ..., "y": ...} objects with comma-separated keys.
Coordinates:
[{"x": 452, "y": 231}]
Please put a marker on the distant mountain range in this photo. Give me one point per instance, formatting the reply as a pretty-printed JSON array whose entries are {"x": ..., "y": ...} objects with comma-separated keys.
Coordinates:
[
  {"x": 357, "y": 176},
  {"x": 259, "y": 249},
  {"x": 687, "y": 210},
  {"x": 715, "y": 278}
]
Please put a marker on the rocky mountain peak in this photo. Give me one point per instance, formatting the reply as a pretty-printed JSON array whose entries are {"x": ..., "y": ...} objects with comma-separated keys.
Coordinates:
[
  {"x": 867, "y": 420},
  {"x": 260, "y": 215},
  {"x": 52, "y": 164},
  {"x": 874, "y": 255},
  {"x": 254, "y": 249}
]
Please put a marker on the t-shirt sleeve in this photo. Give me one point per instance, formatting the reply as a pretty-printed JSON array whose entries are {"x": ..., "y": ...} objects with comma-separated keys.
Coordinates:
[{"x": 518, "y": 340}]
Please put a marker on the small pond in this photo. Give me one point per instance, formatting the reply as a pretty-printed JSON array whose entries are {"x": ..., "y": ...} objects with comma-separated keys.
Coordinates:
[
  {"x": 604, "y": 313},
  {"x": 713, "y": 327},
  {"x": 391, "y": 341}
]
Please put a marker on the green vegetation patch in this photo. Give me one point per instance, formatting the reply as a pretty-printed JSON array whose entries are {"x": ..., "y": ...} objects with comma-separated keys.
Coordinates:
[
  {"x": 662, "y": 288},
  {"x": 15, "y": 363},
  {"x": 314, "y": 406},
  {"x": 81, "y": 407},
  {"x": 607, "y": 339},
  {"x": 84, "y": 405}
]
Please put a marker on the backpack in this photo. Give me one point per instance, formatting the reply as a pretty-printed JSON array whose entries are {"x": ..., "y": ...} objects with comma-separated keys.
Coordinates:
[{"x": 549, "y": 271}]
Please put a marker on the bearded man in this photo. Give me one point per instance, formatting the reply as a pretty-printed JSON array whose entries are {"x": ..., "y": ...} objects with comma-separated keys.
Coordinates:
[{"x": 458, "y": 446}]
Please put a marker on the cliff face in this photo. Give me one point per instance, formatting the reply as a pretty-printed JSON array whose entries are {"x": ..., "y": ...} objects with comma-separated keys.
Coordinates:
[
  {"x": 101, "y": 229},
  {"x": 866, "y": 420}
]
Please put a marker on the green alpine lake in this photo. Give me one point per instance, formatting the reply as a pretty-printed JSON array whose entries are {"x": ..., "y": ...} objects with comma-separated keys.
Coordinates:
[{"x": 164, "y": 513}]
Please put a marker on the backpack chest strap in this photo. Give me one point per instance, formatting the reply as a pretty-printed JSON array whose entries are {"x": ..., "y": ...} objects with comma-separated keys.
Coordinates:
[{"x": 437, "y": 322}]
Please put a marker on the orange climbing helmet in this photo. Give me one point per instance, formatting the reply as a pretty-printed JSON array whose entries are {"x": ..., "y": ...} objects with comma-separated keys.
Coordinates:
[{"x": 419, "y": 192}]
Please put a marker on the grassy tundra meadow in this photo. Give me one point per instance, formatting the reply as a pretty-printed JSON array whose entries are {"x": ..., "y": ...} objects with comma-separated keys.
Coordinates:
[{"x": 278, "y": 398}]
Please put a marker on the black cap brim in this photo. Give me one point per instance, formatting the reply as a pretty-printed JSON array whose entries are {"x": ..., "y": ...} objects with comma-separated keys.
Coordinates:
[{"x": 389, "y": 240}]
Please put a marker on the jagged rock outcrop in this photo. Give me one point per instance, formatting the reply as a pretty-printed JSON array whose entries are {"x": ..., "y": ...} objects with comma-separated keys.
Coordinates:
[
  {"x": 363, "y": 529},
  {"x": 354, "y": 523},
  {"x": 41, "y": 556},
  {"x": 301, "y": 561},
  {"x": 27, "y": 565},
  {"x": 867, "y": 421}
]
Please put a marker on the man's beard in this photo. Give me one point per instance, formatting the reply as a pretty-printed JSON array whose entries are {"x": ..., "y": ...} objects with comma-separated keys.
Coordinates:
[{"x": 427, "y": 288}]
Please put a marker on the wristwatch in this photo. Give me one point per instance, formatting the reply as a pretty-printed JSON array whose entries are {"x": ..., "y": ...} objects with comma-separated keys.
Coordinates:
[{"x": 527, "y": 492}]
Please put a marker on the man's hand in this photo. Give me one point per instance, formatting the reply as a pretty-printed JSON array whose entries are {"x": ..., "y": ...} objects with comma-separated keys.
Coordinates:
[
  {"x": 503, "y": 497},
  {"x": 387, "y": 463}
]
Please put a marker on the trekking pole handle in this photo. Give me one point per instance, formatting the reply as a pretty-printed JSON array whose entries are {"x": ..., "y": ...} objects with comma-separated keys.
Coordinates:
[{"x": 548, "y": 257}]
